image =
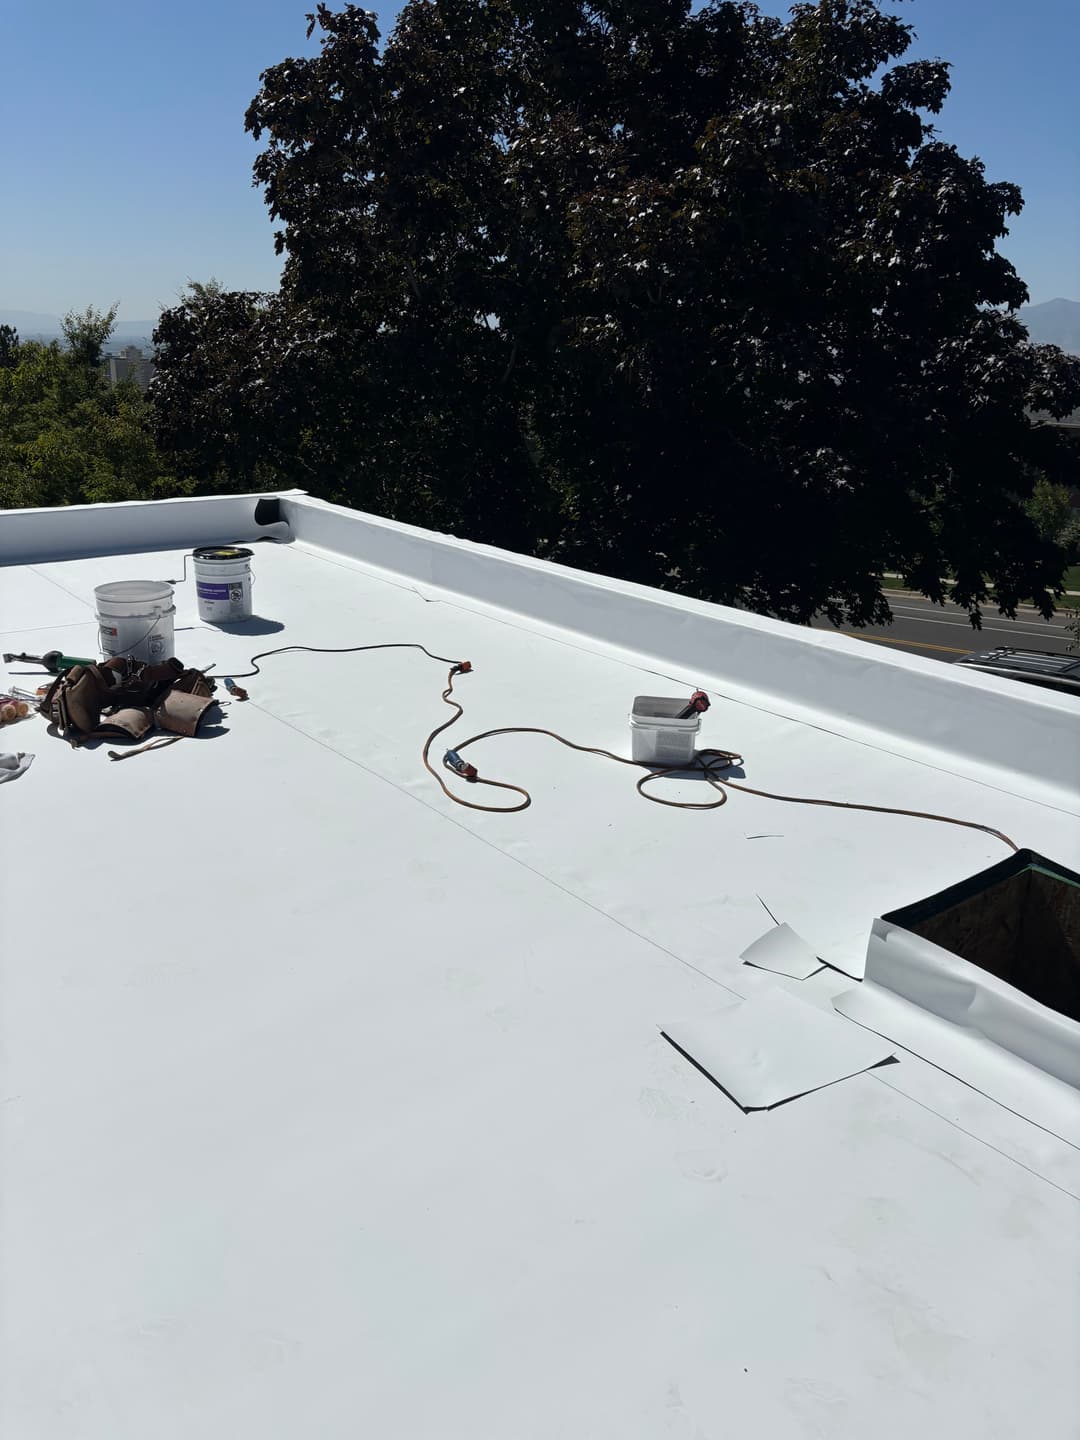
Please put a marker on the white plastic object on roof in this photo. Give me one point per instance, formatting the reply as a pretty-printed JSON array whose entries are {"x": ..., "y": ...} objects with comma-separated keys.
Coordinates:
[
  {"x": 774, "y": 1047},
  {"x": 135, "y": 618},
  {"x": 783, "y": 952},
  {"x": 658, "y": 735}
]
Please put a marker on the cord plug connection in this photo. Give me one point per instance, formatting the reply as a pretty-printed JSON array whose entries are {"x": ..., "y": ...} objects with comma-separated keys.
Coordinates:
[
  {"x": 453, "y": 761},
  {"x": 698, "y": 704}
]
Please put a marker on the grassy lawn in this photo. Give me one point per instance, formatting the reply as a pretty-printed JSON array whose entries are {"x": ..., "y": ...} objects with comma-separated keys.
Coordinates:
[{"x": 1071, "y": 582}]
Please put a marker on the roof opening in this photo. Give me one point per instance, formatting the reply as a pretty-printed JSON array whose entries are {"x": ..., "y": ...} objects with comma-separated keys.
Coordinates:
[{"x": 1019, "y": 921}]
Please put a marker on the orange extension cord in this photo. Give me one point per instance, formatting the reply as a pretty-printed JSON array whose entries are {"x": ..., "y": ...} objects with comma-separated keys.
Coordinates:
[{"x": 708, "y": 763}]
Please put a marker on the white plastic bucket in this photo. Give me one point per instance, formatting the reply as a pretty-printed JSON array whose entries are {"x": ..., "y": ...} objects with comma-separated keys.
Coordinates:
[
  {"x": 223, "y": 583},
  {"x": 657, "y": 735},
  {"x": 135, "y": 617}
]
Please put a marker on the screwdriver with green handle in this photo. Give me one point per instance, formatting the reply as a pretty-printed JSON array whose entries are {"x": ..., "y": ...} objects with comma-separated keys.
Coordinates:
[{"x": 52, "y": 661}]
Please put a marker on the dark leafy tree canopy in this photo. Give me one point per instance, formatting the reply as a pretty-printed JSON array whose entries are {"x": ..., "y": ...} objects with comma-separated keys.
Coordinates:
[
  {"x": 701, "y": 300},
  {"x": 9, "y": 347},
  {"x": 215, "y": 354}
]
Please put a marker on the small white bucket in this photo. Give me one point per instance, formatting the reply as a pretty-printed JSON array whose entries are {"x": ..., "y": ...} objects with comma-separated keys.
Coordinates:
[
  {"x": 223, "y": 583},
  {"x": 135, "y": 617},
  {"x": 657, "y": 735}
]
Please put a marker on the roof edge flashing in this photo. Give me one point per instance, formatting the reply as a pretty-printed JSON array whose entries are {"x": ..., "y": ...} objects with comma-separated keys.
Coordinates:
[
  {"x": 981, "y": 722},
  {"x": 960, "y": 1014},
  {"x": 76, "y": 532},
  {"x": 965, "y": 995},
  {"x": 991, "y": 730}
]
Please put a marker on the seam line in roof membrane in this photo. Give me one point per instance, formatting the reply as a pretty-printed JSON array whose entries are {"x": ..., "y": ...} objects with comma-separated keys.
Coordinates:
[
  {"x": 69, "y": 593},
  {"x": 473, "y": 835},
  {"x": 36, "y": 629},
  {"x": 607, "y": 656},
  {"x": 313, "y": 552},
  {"x": 970, "y": 1133}
]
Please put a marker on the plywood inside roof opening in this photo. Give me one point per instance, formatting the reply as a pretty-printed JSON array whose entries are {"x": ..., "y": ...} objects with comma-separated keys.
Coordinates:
[{"x": 1024, "y": 929}]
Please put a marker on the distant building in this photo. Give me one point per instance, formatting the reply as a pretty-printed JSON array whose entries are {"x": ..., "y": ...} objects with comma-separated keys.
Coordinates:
[{"x": 130, "y": 364}]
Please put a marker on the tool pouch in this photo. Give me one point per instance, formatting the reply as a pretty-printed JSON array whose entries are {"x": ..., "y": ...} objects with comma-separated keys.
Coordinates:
[
  {"x": 122, "y": 700},
  {"x": 74, "y": 701},
  {"x": 181, "y": 713}
]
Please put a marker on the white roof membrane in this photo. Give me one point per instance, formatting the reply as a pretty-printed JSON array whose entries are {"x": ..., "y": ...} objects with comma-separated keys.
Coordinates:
[{"x": 330, "y": 1107}]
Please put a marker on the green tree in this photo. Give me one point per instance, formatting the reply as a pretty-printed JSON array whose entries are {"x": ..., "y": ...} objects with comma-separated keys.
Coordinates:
[
  {"x": 86, "y": 332},
  {"x": 215, "y": 403},
  {"x": 699, "y": 299},
  {"x": 202, "y": 290},
  {"x": 65, "y": 436},
  {"x": 1050, "y": 510}
]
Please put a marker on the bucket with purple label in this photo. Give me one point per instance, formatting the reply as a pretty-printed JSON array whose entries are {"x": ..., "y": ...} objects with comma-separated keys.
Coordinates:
[{"x": 223, "y": 583}]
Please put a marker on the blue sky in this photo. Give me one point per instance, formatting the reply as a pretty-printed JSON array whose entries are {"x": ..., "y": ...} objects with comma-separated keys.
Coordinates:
[{"x": 125, "y": 169}]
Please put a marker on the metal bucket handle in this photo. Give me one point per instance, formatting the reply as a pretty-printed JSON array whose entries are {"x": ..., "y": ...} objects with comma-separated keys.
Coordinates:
[{"x": 190, "y": 555}]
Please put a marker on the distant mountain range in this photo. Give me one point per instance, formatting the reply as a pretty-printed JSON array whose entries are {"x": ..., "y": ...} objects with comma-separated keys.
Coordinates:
[
  {"x": 1057, "y": 322},
  {"x": 33, "y": 325}
]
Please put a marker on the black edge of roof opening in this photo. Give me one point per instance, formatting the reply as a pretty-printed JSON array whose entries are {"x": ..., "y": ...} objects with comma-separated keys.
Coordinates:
[{"x": 907, "y": 915}]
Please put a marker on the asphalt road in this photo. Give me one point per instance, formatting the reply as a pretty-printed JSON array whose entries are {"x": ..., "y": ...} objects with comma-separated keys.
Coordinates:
[{"x": 942, "y": 632}]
